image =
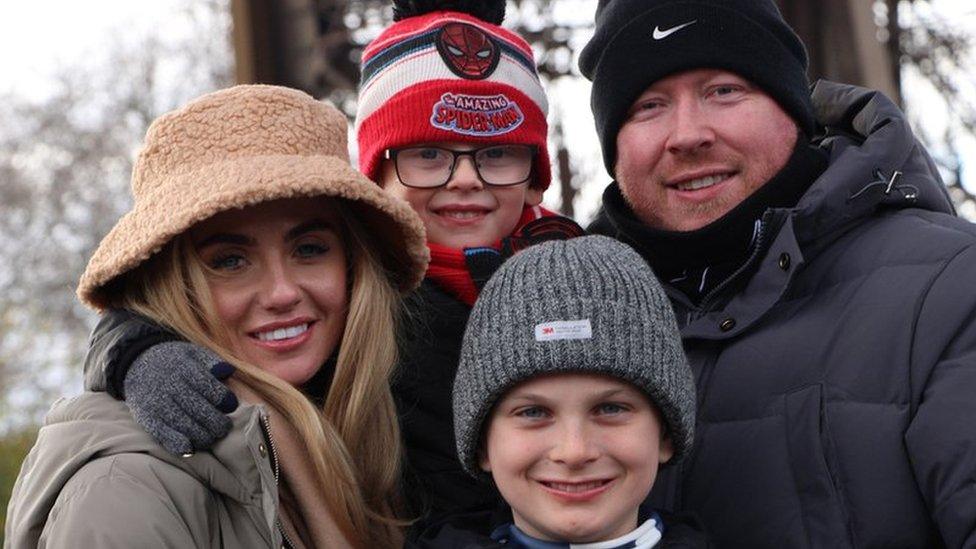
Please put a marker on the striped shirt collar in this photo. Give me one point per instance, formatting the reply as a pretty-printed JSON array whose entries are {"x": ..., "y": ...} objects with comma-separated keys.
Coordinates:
[{"x": 645, "y": 536}]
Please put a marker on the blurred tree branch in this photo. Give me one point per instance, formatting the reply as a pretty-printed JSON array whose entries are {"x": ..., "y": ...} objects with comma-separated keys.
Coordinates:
[
  {"x": 906, "y": 35},
  {"x": 65, "y": 161}
]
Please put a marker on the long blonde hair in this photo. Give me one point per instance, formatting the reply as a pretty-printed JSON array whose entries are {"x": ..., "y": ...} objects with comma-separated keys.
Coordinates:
[{"x": 353, "y": 442}]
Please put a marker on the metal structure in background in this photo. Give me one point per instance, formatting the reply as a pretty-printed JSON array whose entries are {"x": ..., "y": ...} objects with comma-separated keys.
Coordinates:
[
  {"x": 303, "y": 44},
  {"x": 313, "y": 45},
  {"x": 306, "y": 44}
]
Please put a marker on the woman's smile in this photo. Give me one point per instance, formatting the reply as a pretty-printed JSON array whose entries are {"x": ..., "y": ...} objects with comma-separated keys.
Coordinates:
[{"x": 277, "y": 274}]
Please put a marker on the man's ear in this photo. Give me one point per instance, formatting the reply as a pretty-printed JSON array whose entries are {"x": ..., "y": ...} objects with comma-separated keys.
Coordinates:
[
  {"x": 665, "y": 450},
  {"x": 533, "y": 196}
]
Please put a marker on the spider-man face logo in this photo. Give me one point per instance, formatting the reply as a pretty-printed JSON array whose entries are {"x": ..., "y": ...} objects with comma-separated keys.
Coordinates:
[{"x": 467, "y": 50}]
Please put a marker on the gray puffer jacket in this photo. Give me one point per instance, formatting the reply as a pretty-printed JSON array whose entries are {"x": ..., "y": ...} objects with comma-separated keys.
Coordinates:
[
  {"x": 837, "y": 378},
  {"x": 95, "y": 479}
]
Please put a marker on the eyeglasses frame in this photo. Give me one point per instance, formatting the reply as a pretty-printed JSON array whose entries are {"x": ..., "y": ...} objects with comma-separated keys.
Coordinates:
[{"x": 391, "y": 154}]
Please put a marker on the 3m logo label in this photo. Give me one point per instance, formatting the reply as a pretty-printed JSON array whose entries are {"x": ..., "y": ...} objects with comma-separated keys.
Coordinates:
[{"x": 564, "y": 329}]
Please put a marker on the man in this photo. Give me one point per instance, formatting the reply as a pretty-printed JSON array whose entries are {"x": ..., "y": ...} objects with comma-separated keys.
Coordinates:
[{"x": 822, "y": 283}]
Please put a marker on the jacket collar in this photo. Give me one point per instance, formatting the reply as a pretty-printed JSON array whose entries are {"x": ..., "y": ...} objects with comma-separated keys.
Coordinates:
[{"x": 875, "y": 163}]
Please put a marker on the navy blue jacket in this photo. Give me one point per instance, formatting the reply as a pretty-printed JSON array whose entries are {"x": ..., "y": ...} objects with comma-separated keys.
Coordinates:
[{"x": 836, "y": 371}]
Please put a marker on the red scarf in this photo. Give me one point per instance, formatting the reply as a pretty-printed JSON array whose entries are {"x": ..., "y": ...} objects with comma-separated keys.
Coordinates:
[{"x": 449, "y": 266}]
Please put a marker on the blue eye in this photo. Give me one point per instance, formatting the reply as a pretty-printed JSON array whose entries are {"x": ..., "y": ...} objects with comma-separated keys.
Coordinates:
[
  {"x": 310, "y": 250},
  {"x": 610, "y": 409},
  {"x": 724, "y": 91},
  {"x": 495, "y": 152},
  {"x": 532, "y": 412},
  {"x": 646, "y": 110},
  {"x": 431, "y": 154},
  {"x": 227, "y": 262}
]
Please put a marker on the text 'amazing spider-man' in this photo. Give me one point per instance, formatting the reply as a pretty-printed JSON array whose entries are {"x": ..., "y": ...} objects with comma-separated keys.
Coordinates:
[{"x": 467, "y": 50}]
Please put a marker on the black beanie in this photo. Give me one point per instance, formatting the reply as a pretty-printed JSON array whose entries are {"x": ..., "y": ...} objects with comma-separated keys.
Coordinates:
[{"x": 638, "y": 42}]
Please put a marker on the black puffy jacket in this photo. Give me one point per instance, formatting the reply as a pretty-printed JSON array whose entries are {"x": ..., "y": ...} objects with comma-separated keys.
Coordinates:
[
  {"x": 429, "y": 350},
  {"x": 837, "y": 378}
]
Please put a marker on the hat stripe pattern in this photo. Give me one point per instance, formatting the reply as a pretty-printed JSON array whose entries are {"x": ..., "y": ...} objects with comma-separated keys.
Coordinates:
[
  {"x": 388, "y": 71},
  {"x": 398, "y": 32},
  {"x": 426, "y": 66},
  {"x": 448, "y": 76}
]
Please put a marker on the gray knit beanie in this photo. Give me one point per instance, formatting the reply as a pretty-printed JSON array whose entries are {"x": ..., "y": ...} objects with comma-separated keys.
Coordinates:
[{"x": 588, "y": 304}]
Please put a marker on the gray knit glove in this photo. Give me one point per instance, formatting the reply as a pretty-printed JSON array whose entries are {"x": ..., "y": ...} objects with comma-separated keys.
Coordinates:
[{"x": 174, "y": 392}]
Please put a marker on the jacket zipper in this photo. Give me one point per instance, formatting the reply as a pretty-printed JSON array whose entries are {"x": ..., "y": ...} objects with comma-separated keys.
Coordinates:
[
  {"x": 756, "y": 250},
  {"x": 703, "y": 381},
  {"x": 277, "y": 473}
]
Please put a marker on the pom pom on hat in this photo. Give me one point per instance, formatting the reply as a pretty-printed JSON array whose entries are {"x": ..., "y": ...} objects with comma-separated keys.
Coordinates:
[{"x": 490, "y": 11}]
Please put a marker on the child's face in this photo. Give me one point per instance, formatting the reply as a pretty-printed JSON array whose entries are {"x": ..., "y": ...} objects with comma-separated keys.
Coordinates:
[
  {"x": 574, "y": 455},
  {"x": 466, "y": 212}
]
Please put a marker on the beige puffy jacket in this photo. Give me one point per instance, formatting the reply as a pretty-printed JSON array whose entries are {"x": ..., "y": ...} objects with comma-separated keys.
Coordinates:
[{"x": 96, "y": 479}]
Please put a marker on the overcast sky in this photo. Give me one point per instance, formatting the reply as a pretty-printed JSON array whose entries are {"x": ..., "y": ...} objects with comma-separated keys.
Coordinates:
[{"x": 39, "y": 36}]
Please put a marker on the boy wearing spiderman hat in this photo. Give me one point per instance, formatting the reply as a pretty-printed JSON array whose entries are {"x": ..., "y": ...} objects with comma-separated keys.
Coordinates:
[{"x": 452, "y": 119}]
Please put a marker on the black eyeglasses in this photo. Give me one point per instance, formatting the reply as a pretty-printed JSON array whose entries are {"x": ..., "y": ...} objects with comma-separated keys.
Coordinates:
[{"x": 427, "y": 167}]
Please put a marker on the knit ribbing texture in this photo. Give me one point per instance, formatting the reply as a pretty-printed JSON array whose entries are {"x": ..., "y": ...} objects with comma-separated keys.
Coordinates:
[{"x": 596, "y": 279}]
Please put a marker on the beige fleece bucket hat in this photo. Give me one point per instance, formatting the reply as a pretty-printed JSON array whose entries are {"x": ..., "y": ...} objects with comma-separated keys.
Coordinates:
[{"x": 236, "y": 148}]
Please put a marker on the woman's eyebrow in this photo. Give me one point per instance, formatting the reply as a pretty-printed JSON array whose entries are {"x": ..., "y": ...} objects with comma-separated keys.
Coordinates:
[
  {"x": 225, "y": 238},
  {"x": 308, "y": 227}
]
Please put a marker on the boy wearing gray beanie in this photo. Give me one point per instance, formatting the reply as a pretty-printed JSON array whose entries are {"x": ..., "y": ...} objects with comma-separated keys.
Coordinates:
[{"x": 571, "y": 390}]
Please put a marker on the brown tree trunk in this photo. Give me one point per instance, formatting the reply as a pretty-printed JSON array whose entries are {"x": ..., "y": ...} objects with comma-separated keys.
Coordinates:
[
  {"x": 844, "y": 44},
  {"x": 567, "y": 190}
]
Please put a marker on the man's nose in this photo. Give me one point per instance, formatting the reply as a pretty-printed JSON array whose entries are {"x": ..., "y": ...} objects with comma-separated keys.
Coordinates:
[
  {"x": 465, "y": 176},
  {"x": 691, "y": 128}
]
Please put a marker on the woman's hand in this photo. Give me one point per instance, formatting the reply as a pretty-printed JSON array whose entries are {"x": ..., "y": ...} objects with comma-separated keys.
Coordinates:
[{"x": 175, "y": 393}]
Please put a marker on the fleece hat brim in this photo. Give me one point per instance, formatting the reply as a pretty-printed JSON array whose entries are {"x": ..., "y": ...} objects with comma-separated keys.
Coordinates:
[
  {"x": 241, "y": 147},
  {"x": 637, "y": 43}
]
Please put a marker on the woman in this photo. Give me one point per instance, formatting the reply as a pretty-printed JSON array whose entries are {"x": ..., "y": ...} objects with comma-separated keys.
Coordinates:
[{"x": 253, "y": 237}]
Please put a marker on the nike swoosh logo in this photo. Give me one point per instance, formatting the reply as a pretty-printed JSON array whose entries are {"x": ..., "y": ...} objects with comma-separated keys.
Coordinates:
[{"x": 662, "y": 34}]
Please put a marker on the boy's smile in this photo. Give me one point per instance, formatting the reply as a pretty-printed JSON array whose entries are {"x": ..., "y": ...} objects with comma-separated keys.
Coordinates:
[
  {"x": 574, "y": 455},
  {"x": 466, "y": 212}
]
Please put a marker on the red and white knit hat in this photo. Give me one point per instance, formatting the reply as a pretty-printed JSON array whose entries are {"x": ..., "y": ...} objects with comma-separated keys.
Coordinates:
[{"x": 449, "y": 76}]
